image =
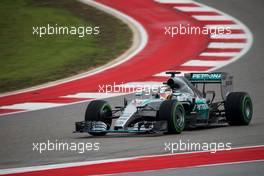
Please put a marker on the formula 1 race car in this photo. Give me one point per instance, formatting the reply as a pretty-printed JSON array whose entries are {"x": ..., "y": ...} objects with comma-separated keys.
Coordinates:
[{"x": 183, "y": 102}]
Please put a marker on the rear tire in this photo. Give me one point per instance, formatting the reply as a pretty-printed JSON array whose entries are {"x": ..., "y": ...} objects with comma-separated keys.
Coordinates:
[
  {"x": 99, "y": 110},
  {"x": 172, "y": 111},
  {"x": 238, "y": 108}
]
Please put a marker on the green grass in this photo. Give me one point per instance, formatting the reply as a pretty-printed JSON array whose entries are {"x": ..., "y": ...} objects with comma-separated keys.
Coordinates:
[{"x": 27, "y": 60}]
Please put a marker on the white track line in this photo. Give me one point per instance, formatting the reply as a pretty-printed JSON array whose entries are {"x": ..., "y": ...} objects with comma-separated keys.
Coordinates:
[
  {"x": 94, "y": 95},
  {"x": 32, "y": 106},
  {"x": 210, "y": 17},
  {"x": 223, "y": 26},
  {"x": 229, "y": 36},
  {"x": 174, "y": 1},
  {"x": 206, "y": 63},
  {"x": 226, "y": 45},
  {"x": 195, "y": 9},
  {"x": 221, "y": 54}
]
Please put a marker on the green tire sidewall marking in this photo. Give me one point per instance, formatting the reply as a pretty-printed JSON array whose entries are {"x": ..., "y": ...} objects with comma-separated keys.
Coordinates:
[
  {"x": 175, "y": 124},
  {"x": 245, "y": 101},
  {"x": 108, "y": 107},
  {"x": 105, "y": 106}
]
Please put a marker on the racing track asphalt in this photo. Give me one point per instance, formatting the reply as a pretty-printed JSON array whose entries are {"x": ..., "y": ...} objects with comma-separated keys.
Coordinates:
[{"x": 18, "y": 131}]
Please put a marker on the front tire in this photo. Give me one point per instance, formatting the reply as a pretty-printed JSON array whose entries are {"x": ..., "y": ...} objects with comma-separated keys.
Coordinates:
[
  {"x": 99, "y": 110},
  {"x": 172, "y": 111},
  {"x": 238, "y": 108}
]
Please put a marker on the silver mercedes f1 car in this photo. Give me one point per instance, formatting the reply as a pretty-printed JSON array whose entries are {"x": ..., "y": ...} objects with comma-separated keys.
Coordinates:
[{"x": 183, "y": 102}]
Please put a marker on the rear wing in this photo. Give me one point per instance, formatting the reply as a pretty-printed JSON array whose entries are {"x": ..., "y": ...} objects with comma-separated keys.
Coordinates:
[
  {"x": 216, "y": 77},
  {"x": 222, "y": 78}
]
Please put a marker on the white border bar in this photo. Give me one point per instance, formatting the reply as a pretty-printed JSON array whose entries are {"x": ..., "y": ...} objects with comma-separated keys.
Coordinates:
[
  {"x": 220, "y": 54},
  {"x": 201, "y": 63},
  {"x": 211, "y": 17},
  {"x": 226, "y": 45},
  {"x": 194, "y": 9}
]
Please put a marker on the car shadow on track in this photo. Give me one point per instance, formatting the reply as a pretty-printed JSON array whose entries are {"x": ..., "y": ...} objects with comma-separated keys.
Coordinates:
[
  {"x": 126, "y": 135},
  {"x": 135, "y": 135}
]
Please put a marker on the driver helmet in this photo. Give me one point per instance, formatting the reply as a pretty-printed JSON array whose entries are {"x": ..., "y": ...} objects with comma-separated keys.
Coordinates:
[
  {"x": 175, "y": 83},
  {"x": 165, "y": 92}
]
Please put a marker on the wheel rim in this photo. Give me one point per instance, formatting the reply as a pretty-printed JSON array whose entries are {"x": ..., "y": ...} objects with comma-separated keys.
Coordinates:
[
  {"x": 247, "y": 108},
  {"x": 106, "y": 112},
  {"x": 179, "y": 117}
]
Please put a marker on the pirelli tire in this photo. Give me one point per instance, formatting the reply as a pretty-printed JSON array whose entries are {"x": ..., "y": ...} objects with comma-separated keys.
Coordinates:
[
  {"x": 238, "y": 108},
  {"x": 172, "y": 111},
  {"x": 99, "y": 110}
]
